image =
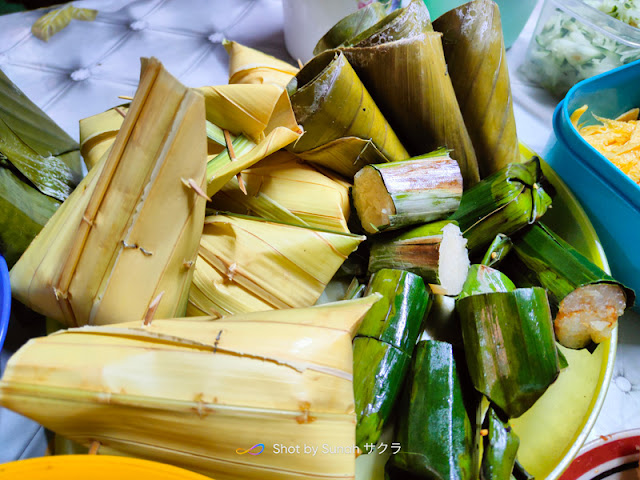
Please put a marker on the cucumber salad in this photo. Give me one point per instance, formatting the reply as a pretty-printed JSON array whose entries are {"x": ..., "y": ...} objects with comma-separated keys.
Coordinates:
[{"x": 567, "y": 50}]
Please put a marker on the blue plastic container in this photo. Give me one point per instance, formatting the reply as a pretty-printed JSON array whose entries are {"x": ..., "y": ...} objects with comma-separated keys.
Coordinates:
[
  {"x": 610, "y": 198},
  {"x": 5, "y": 300}
]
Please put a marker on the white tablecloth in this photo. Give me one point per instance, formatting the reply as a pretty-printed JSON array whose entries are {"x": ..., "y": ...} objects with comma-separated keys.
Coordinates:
[{"x": 82, "y": 70}]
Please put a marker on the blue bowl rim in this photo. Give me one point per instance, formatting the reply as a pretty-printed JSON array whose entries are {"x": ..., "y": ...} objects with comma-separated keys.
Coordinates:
[
  {"x": 561, "y": 132},
  {"x": 587, "y": 155},
  {"x": 5, "y": 307}
]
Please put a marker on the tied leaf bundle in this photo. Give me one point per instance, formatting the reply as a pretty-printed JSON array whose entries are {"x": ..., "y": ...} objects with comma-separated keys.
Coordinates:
[
  {"x": 477, "y": 60},
  {"x": 510, "y": 346},
  {"x": 259, "y": 115},
  {"x": 109, "y": 254},
  {"x": 195, "y": 391},
  {"x": 285, "y": 189},
  {"x": 434, "y": 428},
  {"x": 343, "y": 128},
  {"x": 401, "y": 63},
  {"x": 249, "y": 264},
  {"x": 504, "y": 202}
]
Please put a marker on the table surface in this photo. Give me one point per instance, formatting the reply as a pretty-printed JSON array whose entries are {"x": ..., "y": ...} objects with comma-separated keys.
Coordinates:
[{"x": 82, "y": 71}]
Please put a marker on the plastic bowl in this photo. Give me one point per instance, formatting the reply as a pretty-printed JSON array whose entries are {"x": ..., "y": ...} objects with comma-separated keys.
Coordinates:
[
  {"x": 614, "y": 457},
  {"x": 574, "y": 41},
  {"x": 610, "y": 198},
  {"x": 96, "y": 467},
  {"x": 5, "y": 300}
]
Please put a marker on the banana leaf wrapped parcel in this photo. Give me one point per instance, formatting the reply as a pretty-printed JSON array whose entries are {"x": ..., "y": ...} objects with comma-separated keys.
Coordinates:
[
  {"x": 344, "y": 129},
  {"x": 477, "y": 60},
  {"x": 587, "y": 302},
  {"x": 383, "y": 348},
  {"x": 510, "y": 346},
  {"x": 504, "y": 202},
  {"x": 421, "y": 189},
  {"x": 434, "y": 429}
]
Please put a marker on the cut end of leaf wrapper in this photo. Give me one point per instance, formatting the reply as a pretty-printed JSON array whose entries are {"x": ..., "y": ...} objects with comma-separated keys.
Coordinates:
[{"x": 374, "y": 205}]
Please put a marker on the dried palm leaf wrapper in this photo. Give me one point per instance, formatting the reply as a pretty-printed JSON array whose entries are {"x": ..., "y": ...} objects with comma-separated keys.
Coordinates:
[
  {"x": 401, "y": 63},
  {"x": 226, "y": 386},
  {"x": 343, "y": 128},
  {"x": 477, "y": 60},
  {"x": 248, "y": 264},
  {"x": 56, "y": 20},
  {"x": 259, "y": 115},
  {"x": 285, "y": 189},
  {"x": 98, "y": 132},
  {"x": 123, "y": 241},
  {"x": 247, "y": 65}
]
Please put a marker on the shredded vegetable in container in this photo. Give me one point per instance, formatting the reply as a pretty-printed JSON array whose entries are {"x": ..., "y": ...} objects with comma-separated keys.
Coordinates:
[
  {"x": 575, "y": 40},
  {"x": 618, "y": 140}
]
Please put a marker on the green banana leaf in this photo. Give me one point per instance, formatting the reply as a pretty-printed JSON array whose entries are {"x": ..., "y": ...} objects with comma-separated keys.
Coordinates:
[
  {"x": 434, "y": 429},
  {"x": 497, "y": 250},
  {"x": 35, "y": 145},
  {"x": 500, "y": 448},
  {"x": 378, "y": 376},
  {"x": 383, "y": 347},
  {"x": 504, "y": 202},
  {"x": 40, "y": 165},
  {"x": 397, "y": 317},
  {"x": 483, "y": 279},
  {"x": 555, "y": 265},
  {"x": 23, "y": 213},
  {"x": 510, "y": 346}
]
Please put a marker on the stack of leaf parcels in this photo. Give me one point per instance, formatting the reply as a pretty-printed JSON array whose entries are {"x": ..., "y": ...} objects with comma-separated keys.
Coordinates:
[{"x": 189, "y": 261}]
